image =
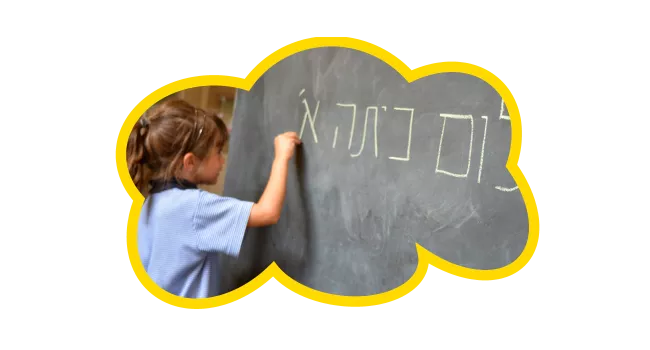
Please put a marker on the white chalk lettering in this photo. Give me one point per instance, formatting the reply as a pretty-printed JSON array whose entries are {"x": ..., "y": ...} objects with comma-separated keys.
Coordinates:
[
  {"x": 365, "y": 125},
  {"x": 501, "y": 115},
  {"x": 408, "y": 147},
  {"x": 354, "y": 116},
  {"x": 312, "y": 120},
  {"x": 376, "y": 115},
  {"x": 504, "y": 189},
  {"x": 480, "y": 167},
  {"x": 442, "y": 134},
  {"x": 501, "y": 188},
  {"x": 376, "y": 149},
  {"x": 450, "y": 167}
]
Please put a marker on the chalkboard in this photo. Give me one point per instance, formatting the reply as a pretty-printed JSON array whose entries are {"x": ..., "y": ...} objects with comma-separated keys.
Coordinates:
[{"x": 384, "y": 164}]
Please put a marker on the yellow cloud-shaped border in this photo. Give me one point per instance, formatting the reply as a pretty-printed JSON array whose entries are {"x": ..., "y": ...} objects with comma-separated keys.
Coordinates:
[{"x": 424, "y": 256}]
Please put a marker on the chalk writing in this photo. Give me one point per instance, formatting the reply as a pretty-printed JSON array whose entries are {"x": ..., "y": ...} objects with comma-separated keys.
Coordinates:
[
  {"x": 480, "y": 167},
  {"x": 501, "y": 188},
  {"x": 310, "y": 116},
  {"x": 376, "y": 115},
  {"x": 307, "y": 116},
  {"x": 501, "y": 115},
  {"x": 408, "y": 147},
  {"x": 442, "y": 134},
  {"x": 504, "y": 189},
  {"x": 354, "y": 116},
  {"x": 365, "y": 127}
]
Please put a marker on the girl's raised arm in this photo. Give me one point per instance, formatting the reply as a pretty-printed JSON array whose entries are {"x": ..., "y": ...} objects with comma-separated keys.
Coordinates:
[{"x": 268, "y": 209}]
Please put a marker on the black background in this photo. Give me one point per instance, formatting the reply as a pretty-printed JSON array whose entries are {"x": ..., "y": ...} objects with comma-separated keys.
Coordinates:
[{"x": 550, "y": 71}]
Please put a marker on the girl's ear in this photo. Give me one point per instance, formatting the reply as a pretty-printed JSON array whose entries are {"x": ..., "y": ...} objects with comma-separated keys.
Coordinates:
[{"x": 189, "y": 162}]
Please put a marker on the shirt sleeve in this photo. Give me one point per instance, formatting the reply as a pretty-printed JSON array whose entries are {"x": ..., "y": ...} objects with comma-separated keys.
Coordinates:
[{"x": 220, "y": 223}]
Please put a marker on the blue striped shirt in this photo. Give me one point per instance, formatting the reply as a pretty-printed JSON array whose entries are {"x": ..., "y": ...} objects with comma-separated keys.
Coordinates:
[{"x": 181, "y": 233}]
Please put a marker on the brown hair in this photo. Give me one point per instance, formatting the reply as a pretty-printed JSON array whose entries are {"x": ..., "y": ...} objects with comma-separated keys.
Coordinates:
[{"x": 162, "y": 136}]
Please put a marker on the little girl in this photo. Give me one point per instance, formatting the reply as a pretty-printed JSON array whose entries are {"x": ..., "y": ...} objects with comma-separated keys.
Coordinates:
[{"x": 182, "y": 229}]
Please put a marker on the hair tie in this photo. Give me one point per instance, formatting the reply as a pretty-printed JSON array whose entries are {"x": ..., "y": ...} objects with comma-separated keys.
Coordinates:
[
  {"x": 144, "y": 123},
  {"x": 196, "y": 114}
]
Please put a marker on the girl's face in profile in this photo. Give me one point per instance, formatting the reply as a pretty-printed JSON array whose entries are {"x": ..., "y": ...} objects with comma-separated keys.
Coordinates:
[{"x": 208, "y": 172}]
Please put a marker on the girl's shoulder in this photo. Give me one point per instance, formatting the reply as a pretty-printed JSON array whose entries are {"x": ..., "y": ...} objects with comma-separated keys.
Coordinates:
[
  {"x": 195, "y": 200},
  {"x": 207, "y": 196}
]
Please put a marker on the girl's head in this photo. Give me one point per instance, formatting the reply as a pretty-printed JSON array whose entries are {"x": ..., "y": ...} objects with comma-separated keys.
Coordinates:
[{"x": 176, "y": 140}]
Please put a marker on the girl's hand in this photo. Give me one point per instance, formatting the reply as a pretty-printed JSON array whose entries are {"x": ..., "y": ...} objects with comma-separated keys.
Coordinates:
[{"x": 285, "y": 145}]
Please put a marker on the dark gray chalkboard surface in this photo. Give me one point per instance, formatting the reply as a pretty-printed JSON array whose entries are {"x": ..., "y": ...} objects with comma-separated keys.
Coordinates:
[{"x": 384, "y": 164}]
